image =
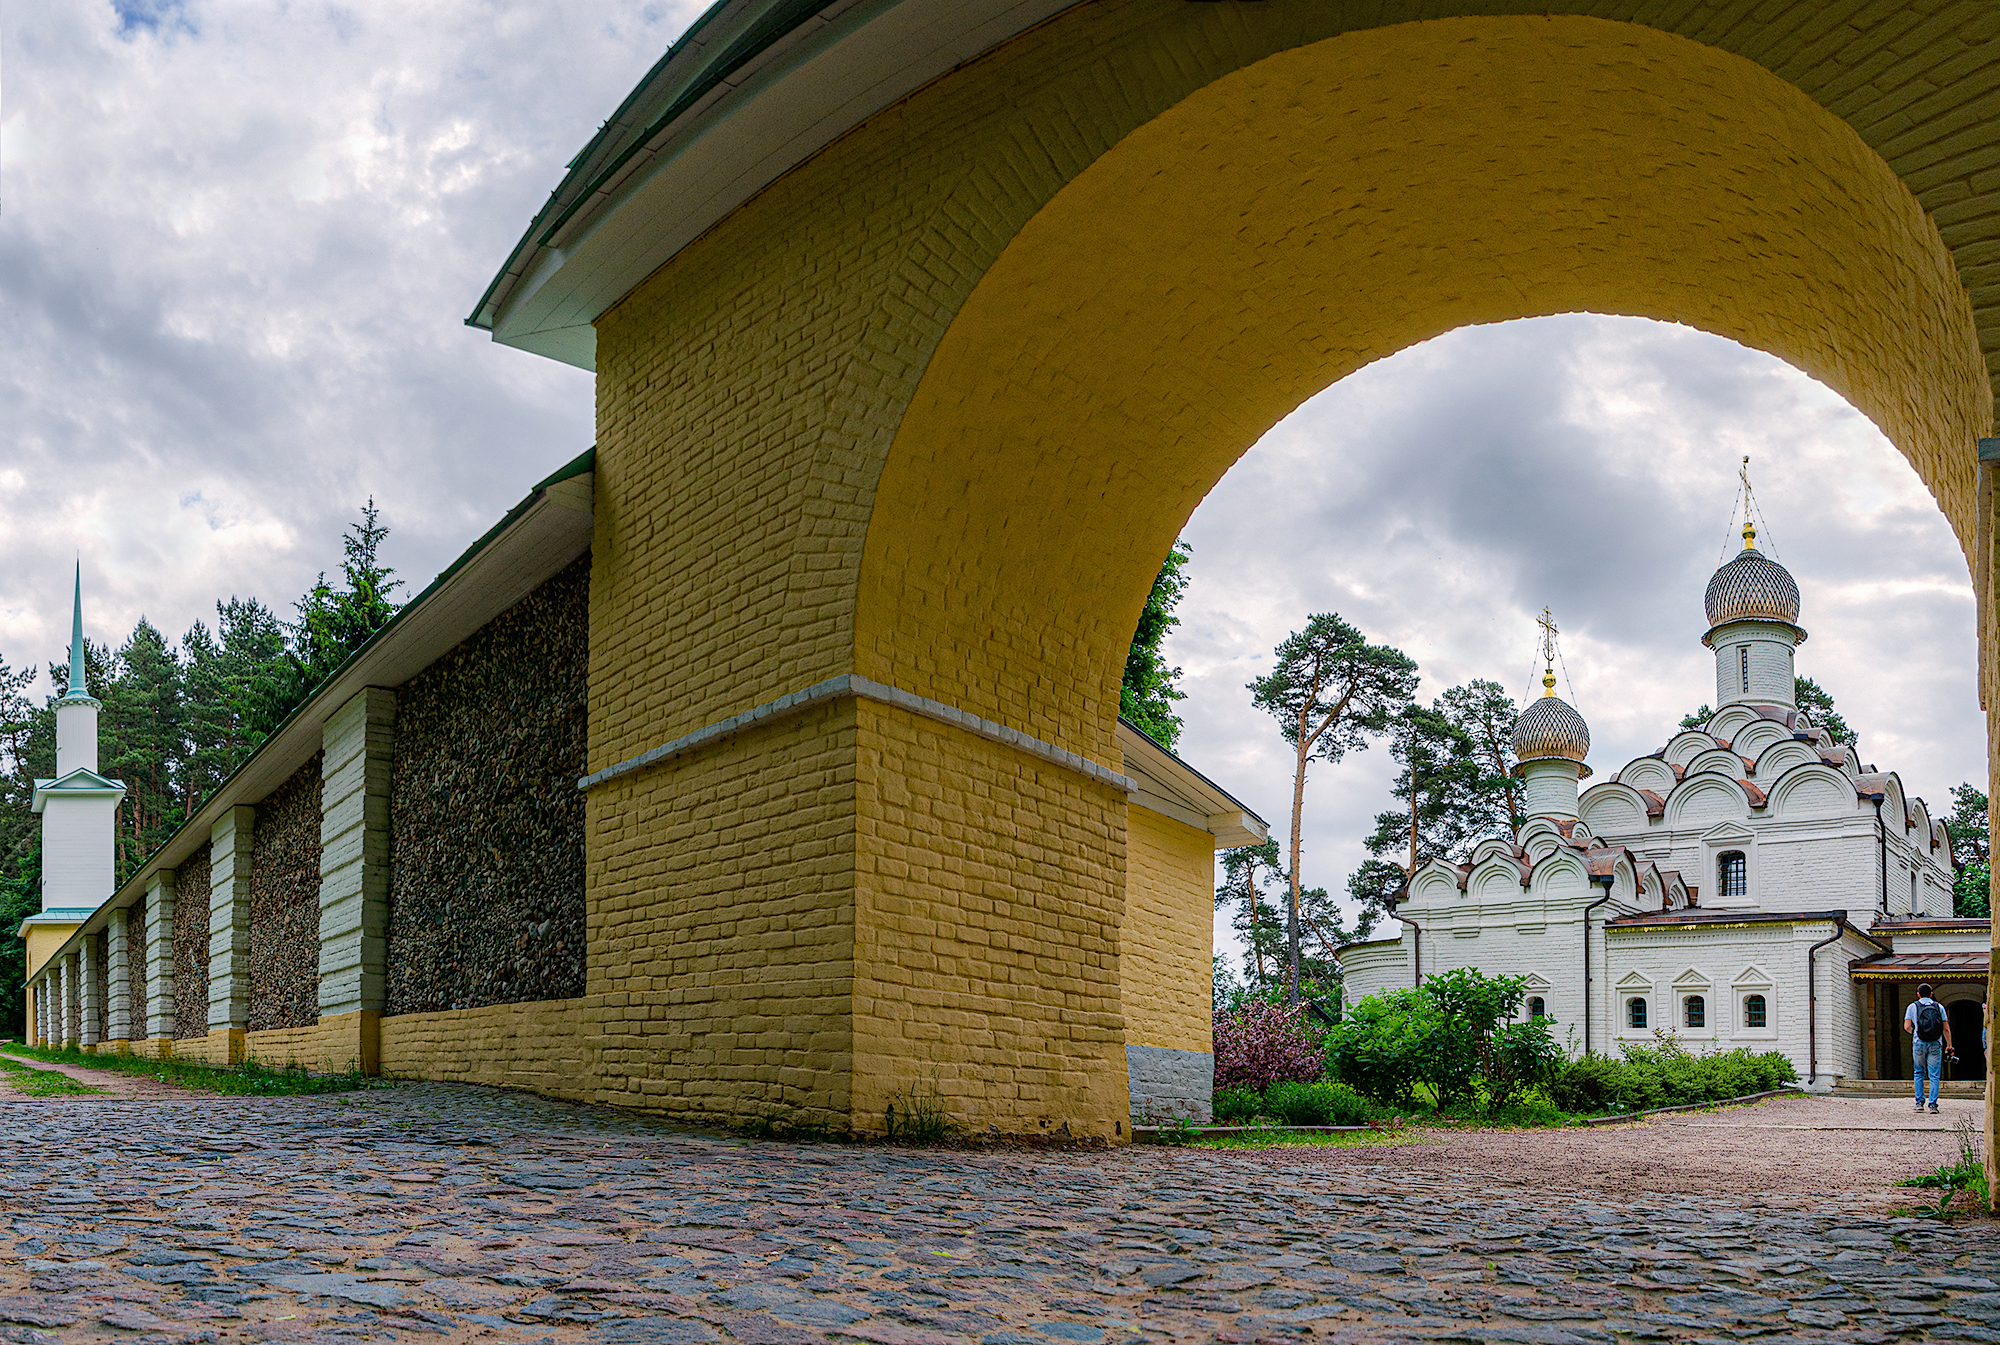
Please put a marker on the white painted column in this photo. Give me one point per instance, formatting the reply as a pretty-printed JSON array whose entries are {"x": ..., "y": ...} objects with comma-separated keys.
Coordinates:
[
  {"x": 86, "y": 986},
  {"x": 42, "y": 1010},
  {"x": 65, "y": 1001},
  {"x": 159, "y": 955},
  {"x": 354, "y": 854},
  {"x": 118, "y": 1015},
  {"x": 229, "y": 857}
]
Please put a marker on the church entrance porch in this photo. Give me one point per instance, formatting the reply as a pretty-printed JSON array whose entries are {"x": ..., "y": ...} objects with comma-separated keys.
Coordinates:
[{"x": 1887, "y": 985}]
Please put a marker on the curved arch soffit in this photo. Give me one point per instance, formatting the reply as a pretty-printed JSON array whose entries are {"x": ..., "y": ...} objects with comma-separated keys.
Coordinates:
[
  {"x": 1321, "y": 209},
  {"x": 1688, "y": 744},
  {"x": 1730, "y": 720}
]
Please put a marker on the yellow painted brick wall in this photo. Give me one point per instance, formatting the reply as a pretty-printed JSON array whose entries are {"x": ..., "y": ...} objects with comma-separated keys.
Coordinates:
[
  {"x": 544, "y": 1046},
  {"x": 989, "y": 891},
  {"x": 1168, "y": 935},
  {"x": 721, "y": 900},
  {"x": 931, "y": 407}
]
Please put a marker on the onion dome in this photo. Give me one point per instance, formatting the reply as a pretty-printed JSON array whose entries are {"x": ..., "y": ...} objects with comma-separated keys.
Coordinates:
[
  {"x": 1551, "y": 728},
  {"x": 1752, "y": 587}
]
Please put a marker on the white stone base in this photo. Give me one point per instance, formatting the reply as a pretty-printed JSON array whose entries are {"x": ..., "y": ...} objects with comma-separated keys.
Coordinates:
[{"x": 1166, "y": 1083}]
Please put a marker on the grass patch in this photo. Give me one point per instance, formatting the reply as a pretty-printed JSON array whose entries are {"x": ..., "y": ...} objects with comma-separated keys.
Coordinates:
[
  {"x": 249, "y": 1078},
  {"x": 33, "y": 1082}
]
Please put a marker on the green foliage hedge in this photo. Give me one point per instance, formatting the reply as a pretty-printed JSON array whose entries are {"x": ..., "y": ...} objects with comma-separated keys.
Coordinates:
[
  {"x": 1666, "y": 1074},
  {"x": 1327, "y": 1102}
]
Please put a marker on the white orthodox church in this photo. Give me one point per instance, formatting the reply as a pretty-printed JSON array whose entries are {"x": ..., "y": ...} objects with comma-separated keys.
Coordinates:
[{"x": 1750, "y": 884}]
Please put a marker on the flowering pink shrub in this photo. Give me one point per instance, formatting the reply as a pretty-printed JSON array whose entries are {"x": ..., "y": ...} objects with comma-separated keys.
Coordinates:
[{"x": 1262, "y": 1044}]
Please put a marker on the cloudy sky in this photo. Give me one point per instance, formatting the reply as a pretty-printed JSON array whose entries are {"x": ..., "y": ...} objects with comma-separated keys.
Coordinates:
[{"x": 238, "y": 240}]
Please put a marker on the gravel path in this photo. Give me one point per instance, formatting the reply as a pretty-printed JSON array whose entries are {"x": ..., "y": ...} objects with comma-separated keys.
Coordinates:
[
  {"x": 1783, "y": 1150},
  {"x": 432, "y": 1212}
]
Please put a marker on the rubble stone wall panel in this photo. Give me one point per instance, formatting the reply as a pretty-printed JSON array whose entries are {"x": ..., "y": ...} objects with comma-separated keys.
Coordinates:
[
  {"x": 486, "y": 900},
  {"x": 191, "y": 946},
  {"x": 284, "y": 905}
]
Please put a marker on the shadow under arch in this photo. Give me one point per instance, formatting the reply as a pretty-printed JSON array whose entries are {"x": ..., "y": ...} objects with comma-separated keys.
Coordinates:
[{"x": 1326, "y": 207}]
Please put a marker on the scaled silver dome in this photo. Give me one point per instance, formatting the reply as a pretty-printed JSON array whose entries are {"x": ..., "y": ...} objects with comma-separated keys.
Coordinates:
[
  {"x": 1551, "y": 728},
  {"x": 1752, "y": 587}
]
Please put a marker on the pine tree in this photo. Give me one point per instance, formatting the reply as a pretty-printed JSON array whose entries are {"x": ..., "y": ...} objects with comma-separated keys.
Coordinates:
[{"x": 1331, "y": 691}]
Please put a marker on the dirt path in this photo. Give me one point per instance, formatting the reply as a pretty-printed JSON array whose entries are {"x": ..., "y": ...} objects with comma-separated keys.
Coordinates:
[{"x": 117, "y": 1086}]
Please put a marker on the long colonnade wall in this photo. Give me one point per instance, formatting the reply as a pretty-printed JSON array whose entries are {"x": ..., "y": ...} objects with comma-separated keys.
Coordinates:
[{"x": 254, "y": 956}]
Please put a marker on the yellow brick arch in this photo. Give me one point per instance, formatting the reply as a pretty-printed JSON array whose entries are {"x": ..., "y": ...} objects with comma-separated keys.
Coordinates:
[{"x": 1322, "y": 208}]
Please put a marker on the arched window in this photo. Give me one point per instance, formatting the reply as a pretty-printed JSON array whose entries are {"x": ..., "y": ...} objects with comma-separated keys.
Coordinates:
[
  {"x": 1753, "y": 1011},
  {"x": 1635, "y": 1012},
  {"x": 1536, "y": 1009},
  {"x": 1694, "y": 1011},
  {"x": 1732, "y": 874},
  {"x": 1913, "y": 892}
]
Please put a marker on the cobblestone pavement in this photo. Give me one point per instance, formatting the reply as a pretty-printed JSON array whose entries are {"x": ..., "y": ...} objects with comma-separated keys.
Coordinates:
[{"x": 429, "y": 1212}]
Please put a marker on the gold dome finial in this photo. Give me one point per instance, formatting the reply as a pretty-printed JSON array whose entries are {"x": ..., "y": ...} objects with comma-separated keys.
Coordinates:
[
  {"x": 1547, "y": 622},
  {"x": 1749, "y": 528}
]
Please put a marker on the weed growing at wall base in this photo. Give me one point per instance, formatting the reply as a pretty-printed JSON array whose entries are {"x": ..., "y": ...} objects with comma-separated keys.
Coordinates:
[{"x": 249, "y": 1078}]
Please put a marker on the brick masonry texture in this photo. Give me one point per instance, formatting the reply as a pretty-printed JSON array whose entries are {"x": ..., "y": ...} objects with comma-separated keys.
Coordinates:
[
  {"x": 284, "y": 905},
  {"x": 1168, "y": 935},
  {"x": 486, "y": 902},
  {"x": 900, "y": 415},
  {"x": 722, "y": 918},
  {"x": 191, "y": 946}
]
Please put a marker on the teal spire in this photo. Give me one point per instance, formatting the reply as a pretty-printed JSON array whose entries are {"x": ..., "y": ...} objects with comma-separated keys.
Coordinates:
[{"x": 79, "y": 683}]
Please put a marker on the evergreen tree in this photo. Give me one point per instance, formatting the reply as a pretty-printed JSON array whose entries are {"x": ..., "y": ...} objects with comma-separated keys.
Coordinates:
[
  {"x": 1331, "y": 691},
  {"x": 1147, "y": 694},
  {"x": 1257, "y": 920},
  {"x": 1967, "y": 826},
  {"x": 142, "y": 740},
  {"x": 1815, "y": 701},
  {"x": 1456, "y": 788}
]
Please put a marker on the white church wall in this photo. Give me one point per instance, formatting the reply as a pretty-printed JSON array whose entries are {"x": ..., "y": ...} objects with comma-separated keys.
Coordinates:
[
  {"x": 1729, "y": 965},
  {"x": 1705, "y": 798},
  {"x": 1370, "y": 968},
  {"x": 1685, "y": 747},
  {"x": 1753, "y": 662},
  {"x": 1731, "y": 720}
]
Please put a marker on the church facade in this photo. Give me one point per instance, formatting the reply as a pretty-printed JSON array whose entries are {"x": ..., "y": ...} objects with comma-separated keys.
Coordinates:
[{"x": 1750, "y": 884}]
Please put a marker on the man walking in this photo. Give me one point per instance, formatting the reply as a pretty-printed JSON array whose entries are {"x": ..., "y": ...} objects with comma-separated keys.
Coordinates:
[{"x": 1930, "y": 1042}]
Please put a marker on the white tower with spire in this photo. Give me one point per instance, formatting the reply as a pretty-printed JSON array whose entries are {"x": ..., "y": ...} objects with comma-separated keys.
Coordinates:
[{"x": 79, "y": 807}]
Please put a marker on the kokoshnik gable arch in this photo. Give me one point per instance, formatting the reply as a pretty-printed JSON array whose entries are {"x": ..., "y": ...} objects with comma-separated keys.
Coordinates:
[{"x": 921, "y": 328}]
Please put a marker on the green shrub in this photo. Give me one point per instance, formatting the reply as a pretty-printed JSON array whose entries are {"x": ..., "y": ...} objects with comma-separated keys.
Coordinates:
[
  {"x": 1665, "y": 1073},
  {"x": 1326, "y": 1103},
  {"x": 1517, "y": 1057},
  {"x": 1527, "y": 1107},
  {"x": 1383, "y": 1044},
  {"x": 1234, "y": 1106}
]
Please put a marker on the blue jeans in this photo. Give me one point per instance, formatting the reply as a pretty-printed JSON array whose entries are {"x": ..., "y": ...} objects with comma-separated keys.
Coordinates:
[{"x": 1926, "y": 1059}]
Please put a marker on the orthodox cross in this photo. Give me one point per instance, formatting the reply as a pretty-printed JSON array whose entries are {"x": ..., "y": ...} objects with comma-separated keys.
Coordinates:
[{"x": 1547, "y": 622}]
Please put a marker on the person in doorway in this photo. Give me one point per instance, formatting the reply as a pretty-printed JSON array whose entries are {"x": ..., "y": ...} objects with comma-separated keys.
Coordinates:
[{"x": 1930, "y": 1042}]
